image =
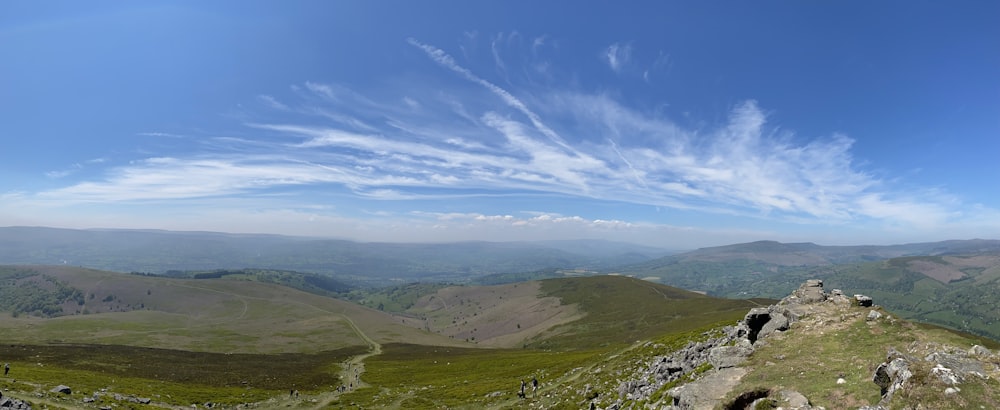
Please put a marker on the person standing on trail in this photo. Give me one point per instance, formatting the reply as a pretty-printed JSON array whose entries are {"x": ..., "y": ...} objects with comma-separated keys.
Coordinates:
[
  {"x": 521, "y": 394},
  {"x": 6, "y": 369},
  {"x": 534, "y": 386}
]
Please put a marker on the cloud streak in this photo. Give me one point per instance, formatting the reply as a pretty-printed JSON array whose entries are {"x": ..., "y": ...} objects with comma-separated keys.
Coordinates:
[{"x": 476, "y": 139}]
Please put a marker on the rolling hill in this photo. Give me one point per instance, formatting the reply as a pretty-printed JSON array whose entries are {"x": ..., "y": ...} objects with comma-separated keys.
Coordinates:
[
  {"x": 949, "y": 283},
  {"x": 222, "y": 315}
]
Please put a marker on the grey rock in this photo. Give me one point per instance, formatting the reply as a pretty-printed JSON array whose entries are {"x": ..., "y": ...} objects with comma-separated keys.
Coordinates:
[
  {"x": 64, "y": 389},
  {"x": 873, "y": 316},
  {"x": 790, "y": 399},
  {"x": 14, "y": 404},
  {"x": 778, "y": 322},
  {"x": 728, "y": 356},
  {"x": 755, "y": 320},
  {"x": 810, "y": 292},
  {"x": 962, "y": 365},
  {"x": 946, "y": 375},
  {"x": 979, "y": 351},
  {"x": 891, "y": 376}
]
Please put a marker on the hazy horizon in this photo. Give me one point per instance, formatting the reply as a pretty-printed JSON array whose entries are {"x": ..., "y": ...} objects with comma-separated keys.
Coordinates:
[{"x": 676, "y": 125}]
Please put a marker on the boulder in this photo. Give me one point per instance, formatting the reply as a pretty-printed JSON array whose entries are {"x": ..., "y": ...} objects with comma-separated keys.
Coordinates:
[
  {"x": 64, "y": 389},
  {"x": 873, "y": 316},
  {"x": 791, "y": 399},
  {"x": 864, "y": 301}
]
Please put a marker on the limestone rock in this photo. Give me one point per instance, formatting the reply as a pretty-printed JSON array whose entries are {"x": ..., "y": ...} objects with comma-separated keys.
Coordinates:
[{"x": 873, "y": 316}]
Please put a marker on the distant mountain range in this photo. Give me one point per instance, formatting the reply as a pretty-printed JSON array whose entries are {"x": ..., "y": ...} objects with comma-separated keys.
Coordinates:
[
  {"x": 951, "y": 283},
  {"x": 374, "y": 263}
]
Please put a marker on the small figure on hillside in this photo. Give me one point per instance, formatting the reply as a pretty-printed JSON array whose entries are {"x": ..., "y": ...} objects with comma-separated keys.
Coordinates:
[
  {"x": 6, "y": 368},
  {"x": 534, "y": 386},
  {"x": 291, "y": 393},
  {"x": 521, "y": 394}
]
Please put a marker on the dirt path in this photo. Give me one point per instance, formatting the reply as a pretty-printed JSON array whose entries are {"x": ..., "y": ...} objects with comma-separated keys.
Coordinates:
[{"x": 352, "y": 369}]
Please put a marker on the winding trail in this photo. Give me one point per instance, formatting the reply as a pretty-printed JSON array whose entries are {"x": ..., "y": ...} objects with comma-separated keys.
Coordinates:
[{"x": 351, "y": 371}]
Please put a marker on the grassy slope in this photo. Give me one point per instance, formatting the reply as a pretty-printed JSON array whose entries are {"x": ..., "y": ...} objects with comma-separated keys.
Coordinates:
[
  {"x": 618, "y": 312},
  {"x": 621, "y": 310},
  {"x": 212, "y": 315},
  {"x": 817, "y": 351}
]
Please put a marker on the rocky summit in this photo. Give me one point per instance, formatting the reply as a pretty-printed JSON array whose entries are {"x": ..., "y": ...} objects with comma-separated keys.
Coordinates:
[{"x": 737, "y": 368}]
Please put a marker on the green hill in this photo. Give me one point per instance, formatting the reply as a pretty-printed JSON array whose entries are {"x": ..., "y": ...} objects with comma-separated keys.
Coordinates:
[{"x": 622, "y": 310}]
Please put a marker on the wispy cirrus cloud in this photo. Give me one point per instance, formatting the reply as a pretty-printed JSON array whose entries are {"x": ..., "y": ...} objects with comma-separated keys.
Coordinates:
[
  {"x": 272, "y": 102},
  {"x": 476, "y": 139}
]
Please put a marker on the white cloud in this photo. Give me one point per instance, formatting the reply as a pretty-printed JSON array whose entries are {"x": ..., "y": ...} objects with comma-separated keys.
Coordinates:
[
  {"x": 272, "y": 102},
  {"x": 322, "y": 90},
  {"x": 160, "y": 134},
  {"x": 618, "y": 56}
]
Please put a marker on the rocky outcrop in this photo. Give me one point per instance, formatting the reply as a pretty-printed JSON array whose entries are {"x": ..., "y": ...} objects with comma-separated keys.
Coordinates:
[
  {"x": 809, "y": 292},
  {"x": 723, "y": 354},
  {"x": 706, "y": 372},
  {"x": 13, "y": 404}
]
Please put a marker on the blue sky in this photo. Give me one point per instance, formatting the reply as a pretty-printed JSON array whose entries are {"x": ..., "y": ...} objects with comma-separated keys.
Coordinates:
[{"x": 675, "y": 124}]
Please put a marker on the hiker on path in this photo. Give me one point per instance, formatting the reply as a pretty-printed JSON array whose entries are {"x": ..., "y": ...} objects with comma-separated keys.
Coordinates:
[
  {"x": 521, "y": 394},
  {"x": 6, "y": 369},
  {"x": 534, "y": 386}
]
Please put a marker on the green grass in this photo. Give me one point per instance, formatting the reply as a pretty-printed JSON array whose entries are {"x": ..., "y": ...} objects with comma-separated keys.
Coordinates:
[
  {"x": 171, "y": 376},
  {"x": 621, "y": 310},
  {"x": 449, "y": 377}
]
